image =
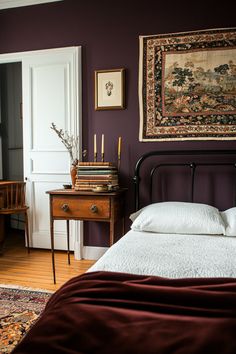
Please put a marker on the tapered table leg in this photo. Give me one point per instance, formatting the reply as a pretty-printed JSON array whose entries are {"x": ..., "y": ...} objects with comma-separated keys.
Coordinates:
[
  {"x": 52, "y": 250},
  {"x": 112, "y": 229},
  {"x": 68, "y": 240}
]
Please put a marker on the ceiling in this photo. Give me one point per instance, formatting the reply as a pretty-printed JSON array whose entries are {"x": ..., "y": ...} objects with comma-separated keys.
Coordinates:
[{"x": 7, "y": 4}]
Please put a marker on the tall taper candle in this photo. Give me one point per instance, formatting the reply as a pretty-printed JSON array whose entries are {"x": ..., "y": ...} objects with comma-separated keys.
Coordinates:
[
  {"x": 95, "y": 144},
  {"x": 95, "y": 147},
  {"x": 119, "y": 146},
  {"x": 102, "y": 148}
]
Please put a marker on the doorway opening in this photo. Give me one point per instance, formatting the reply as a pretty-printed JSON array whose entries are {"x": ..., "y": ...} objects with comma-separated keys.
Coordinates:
[{"x": 11, "y": 128}]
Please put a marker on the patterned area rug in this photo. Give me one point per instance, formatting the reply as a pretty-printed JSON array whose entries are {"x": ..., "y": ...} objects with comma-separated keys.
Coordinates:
[{"x": 19, "y": 309}]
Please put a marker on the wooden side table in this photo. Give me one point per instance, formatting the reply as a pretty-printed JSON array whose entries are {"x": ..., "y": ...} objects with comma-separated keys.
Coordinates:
[{"x": 68, "y": 204}]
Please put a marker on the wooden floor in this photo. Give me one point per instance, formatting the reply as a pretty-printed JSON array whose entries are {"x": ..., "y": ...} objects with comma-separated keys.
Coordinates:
[{"x": 34, "y": 270}]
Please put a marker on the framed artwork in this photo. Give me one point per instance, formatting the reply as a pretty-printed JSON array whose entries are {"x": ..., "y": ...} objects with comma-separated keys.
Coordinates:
[
  {"x": 109, "y": 89},
  {"x": 187, "y": 86}
]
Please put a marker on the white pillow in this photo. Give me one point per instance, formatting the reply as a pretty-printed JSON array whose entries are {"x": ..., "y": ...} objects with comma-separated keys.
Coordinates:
[
  {"x": 229, "y": 217},
  {"x": 179, "y": 218}
]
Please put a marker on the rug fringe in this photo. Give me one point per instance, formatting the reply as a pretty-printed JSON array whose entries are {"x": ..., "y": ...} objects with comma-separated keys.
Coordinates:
[{"x": 21, "y": 287}]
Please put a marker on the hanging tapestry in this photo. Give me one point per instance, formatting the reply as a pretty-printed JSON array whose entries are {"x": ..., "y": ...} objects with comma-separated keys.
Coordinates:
[{"x": 187, "y": 86}]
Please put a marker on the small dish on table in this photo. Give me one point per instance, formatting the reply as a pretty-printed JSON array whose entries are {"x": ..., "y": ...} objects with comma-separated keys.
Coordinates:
[{"x": 67, "y": 186}]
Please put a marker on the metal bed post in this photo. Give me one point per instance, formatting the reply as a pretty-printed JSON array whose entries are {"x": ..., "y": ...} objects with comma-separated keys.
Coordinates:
[{"x": 193, "y": 168}]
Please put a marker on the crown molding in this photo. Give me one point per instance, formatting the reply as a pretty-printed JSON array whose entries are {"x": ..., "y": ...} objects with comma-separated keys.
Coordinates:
[{"x": 7, "y": 4}]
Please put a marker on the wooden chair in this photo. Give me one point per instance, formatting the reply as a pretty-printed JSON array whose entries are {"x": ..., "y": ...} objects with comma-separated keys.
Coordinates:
[{"x": 12, "y": 197}]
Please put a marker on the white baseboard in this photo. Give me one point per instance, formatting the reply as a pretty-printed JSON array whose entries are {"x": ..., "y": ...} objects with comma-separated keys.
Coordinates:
[
  {"x": 80, "y": 252},
  {"x": 93, "y": 253}
]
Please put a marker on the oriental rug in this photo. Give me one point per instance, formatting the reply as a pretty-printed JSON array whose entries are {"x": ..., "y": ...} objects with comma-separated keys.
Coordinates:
[
  {"x": 187, "y": 86},
  {"x": 19, "y": 309}
]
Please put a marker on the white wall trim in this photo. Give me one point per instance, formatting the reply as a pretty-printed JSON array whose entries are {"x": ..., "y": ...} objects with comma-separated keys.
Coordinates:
[
  {"x": 7, "y": 4},
  {"x": 19, "y": 56},
  {"x": 93, "y": 253}
]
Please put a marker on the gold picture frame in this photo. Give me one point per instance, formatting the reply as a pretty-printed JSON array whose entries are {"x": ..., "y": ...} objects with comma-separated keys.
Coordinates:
[{"x": 110, "y": 89}]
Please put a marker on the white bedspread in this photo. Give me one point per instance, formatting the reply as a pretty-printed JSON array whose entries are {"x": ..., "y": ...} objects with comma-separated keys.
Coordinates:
[{"x": 171, "y": 255}]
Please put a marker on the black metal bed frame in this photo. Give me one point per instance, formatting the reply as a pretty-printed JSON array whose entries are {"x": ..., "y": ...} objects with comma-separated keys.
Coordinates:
[{"x": 192, "y": 165}]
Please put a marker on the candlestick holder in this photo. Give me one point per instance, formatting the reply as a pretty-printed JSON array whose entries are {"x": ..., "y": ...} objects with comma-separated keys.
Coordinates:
[
  {"x": 95, "y": 157},
  {"x": 118, "y": 162}
]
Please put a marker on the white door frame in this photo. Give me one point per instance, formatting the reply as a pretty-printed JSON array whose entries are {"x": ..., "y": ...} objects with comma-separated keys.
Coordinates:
[{"x": 76, "y": 227}]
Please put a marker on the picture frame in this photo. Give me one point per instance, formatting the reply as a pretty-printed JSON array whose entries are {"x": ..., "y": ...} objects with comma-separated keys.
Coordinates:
[
  {"x": 110, "y": 89},
  {"x": 187, "y": 86}
]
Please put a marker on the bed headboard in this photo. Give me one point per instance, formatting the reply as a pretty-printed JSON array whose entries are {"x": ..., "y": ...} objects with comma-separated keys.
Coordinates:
[{"x": 191, "y": 164}]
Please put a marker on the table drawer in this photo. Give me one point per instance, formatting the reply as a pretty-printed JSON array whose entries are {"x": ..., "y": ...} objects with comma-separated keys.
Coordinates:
[{"x": 84, "y": 207}]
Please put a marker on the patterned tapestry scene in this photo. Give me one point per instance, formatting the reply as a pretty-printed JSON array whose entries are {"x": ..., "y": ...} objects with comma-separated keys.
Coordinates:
[{"x": 187, "y": 86}]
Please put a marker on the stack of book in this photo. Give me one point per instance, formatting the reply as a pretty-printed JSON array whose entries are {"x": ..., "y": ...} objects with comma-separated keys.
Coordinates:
[{"x": 90, "y": 175}]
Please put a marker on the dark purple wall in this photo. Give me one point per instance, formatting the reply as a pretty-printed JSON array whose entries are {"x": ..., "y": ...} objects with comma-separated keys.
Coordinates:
[{"x": 108, "y": 32}]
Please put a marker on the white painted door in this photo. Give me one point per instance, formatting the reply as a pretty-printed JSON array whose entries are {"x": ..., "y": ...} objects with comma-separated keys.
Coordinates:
[{"x": 51, "y": 93}]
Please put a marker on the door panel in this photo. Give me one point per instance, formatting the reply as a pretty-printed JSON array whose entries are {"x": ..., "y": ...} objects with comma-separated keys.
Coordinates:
[{"x": 51, "y": 82}]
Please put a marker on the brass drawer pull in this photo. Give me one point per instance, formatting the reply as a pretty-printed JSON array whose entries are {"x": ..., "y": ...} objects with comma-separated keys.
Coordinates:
[
  {"x": 65, "y": 207},
  {"x": 94, "y": 209}
]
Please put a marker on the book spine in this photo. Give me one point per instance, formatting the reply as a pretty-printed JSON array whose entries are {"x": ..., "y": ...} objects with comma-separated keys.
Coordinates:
[
  {"x": 95, "y": 183},
  {"x": 78, "y": 188},
  {"x": 95, "y": 163},
  {"x": 86, "y": 186},
  {"x": 85, "y": 173},
  {"x": 83, "y": 188},
  {"x": 91, "y": 168},
  {"x": 98, "y": 177}
]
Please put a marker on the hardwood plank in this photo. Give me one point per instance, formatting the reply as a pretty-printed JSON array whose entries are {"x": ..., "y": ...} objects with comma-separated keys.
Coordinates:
[{"x": 34, "y": 270}]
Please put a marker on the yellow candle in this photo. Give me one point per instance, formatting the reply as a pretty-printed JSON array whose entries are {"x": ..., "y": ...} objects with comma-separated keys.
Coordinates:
[
  {"x": 119, "y": 145},
  {"x": 102, "y": 149},
  {"x": 95, "y": 144}
]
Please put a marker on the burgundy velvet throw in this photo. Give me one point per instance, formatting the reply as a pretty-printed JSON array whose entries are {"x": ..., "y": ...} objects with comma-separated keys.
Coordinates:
[{"x": 109, "y": 313}]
